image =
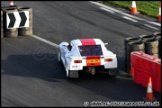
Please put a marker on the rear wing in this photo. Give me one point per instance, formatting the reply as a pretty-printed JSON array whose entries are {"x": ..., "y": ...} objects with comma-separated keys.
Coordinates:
[{"x": 84, "y": 57}]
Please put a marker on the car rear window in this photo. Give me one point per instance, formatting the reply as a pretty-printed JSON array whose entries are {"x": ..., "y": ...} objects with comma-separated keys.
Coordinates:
[{"x": 90, "y": 50}]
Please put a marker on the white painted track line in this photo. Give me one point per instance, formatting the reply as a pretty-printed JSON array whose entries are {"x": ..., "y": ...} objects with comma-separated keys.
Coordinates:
[
  {"x": 107, "y": 10},
  {"x": 128, "y": 18},
  {"x": 125, "y": 14},
  {"x": 45, "y": 41},
  {"x": 151, "y": 27}
]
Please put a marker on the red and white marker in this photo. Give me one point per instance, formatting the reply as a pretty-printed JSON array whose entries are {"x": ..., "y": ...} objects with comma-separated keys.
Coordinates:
[
  {"x": 11, "y": 3},
  {"x": 159, "y": 16},
  {"x": 134, "y": 9}
]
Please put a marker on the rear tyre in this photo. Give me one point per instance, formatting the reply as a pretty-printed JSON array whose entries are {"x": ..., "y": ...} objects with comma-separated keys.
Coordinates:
[
  {"x": 112, "y": 72},
  {"x": 72, "y": 74},
  {"x": 59, "y": 56},
  {"x": 67, "y": 74}
]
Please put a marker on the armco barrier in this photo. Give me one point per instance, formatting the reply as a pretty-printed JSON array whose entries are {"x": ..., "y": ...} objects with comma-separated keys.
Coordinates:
[{"x": 146, "y": 66}]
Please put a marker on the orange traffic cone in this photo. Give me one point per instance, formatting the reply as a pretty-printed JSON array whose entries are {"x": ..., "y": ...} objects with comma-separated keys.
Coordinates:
[
  {"x": 134, "y": 9},
  {"x": 132, "y": 72},
  {"x": 149, "y": 95},
  {"x": 159, "y": 16},
  {"x": 11, "y": 3}
]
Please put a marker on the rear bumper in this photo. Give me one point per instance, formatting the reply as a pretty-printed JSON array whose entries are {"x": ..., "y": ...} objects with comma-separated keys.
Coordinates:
[
  {"x": 106, "y": 65},
  {"x": 101, "y": 67}
]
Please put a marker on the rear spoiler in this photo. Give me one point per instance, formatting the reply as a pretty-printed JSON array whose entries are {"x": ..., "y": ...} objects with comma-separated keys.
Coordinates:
[{"x": 84, "y": 57}]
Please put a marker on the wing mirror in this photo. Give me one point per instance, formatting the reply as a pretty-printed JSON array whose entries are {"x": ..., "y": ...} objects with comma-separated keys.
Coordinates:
[{"x": 106, "y": 44}]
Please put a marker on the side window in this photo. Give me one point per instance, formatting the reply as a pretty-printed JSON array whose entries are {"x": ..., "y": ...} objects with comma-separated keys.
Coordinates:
[{"x": 74, "y": 51}]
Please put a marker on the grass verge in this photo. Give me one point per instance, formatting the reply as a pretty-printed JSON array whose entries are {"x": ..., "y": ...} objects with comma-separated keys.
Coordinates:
[{"x": 149, "y": 8}]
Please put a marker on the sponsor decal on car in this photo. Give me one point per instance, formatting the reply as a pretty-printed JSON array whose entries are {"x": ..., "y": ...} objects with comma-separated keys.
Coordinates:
[{"x": 75, "y": 66}]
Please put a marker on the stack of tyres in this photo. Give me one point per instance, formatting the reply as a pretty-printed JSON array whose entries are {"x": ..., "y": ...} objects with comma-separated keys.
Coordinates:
[
  {"x": 146, "y": 37},
  {"x": 133, "y": 46},
  {"x": 160, "y": 48},
  {"x": 126, "y": 41},
  {"x": 13, "y": 32},
  {"x": 2, "y": 17},
  {"x": 129, "y": 40},
  {"x": 151, "y": 47},
  {"x": 2, "y": 35},
  {"x": 158, "y": 37},
  {"x": 149, "y": 44},
  {"x": 10, "y": 6},
  {"x": 26, "y": 31}
]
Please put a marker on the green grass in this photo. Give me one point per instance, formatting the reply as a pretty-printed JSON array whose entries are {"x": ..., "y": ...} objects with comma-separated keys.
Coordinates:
[{"x": 149, "y": 8}]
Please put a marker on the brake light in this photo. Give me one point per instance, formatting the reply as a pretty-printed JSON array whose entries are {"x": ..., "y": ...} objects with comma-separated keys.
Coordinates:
[
  {"x": 108, "y": 60},
  {"x": 77, "y": 61}
]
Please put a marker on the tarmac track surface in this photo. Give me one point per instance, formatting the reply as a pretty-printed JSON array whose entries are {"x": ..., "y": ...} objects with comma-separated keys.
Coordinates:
[{"x": 31, "y": 75}]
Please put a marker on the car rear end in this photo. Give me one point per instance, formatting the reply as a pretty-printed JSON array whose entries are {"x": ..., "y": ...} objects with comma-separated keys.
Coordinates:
[{"x": 92, "y": 56}]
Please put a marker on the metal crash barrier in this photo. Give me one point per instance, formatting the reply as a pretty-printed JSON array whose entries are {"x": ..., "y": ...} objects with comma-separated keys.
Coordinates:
[{"x": 146, "y": 66}]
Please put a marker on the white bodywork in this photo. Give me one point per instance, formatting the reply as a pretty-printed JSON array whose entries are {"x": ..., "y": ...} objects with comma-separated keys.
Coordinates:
[{"x": 68, "y": 56}]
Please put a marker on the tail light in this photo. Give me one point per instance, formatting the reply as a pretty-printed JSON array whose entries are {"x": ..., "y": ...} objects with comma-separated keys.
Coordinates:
[
  {"x": 77, "y": 61},
  {"x": 108, "y": 60}
]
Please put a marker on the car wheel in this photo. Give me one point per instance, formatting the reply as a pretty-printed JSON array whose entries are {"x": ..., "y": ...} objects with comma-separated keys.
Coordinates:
[
  {"x": 59, "y": 56},
  {"x": 111, "y": 74},
  {"x": 72, "y": 74},
  {"x": 67, "y": 74}
]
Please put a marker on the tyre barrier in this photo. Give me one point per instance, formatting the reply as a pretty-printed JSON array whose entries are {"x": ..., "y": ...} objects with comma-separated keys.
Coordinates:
[
  {"x": 136, "y": 46},
  {"x": 151, "y": 47},
  {"x": 152, "y": 43},
  {"x": 10, "y": 7},
  {"x": 131, "y": 39},
  {"x": 133, "y": 46},
  {"x": 127, "y": 41},
  {"x": 4, "y": 21},
  {"x": 146, "y": 37},
  {"x": 158, "y": 37},
  {"x": 14, "y": 32},
  {"x": 9, "y": 32},
  {"x": 2, "y": 35},
  {"x": 26, "y": 31},
  {"x": 154, "y": 55},
  {"x": 157, "y": 34},
  {"x": 160, "y": 48},
  {"x": 149, "y": 44}
]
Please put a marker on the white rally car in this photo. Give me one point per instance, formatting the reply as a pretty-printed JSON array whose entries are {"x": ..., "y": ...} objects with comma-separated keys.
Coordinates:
[{"x": 89, "y": 55}]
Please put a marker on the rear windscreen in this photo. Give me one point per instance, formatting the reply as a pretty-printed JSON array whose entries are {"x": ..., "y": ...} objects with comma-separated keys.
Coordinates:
[{"x": 90, "y": 50}]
